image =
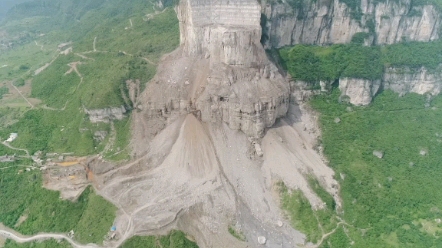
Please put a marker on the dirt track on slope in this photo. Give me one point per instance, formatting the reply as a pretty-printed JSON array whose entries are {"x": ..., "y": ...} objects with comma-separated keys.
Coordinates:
[{"x": 10, "y": 234}]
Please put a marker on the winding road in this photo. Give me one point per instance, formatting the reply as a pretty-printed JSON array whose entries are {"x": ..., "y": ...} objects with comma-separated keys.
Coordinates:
[{"x": 4, "y": 232}]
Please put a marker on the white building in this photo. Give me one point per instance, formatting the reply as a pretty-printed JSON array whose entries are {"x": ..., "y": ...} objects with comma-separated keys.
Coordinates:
[{"x": 12, "y": 137}]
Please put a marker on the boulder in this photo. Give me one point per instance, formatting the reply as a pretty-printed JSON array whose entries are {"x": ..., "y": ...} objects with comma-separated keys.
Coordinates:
[
  {"x": 379, "y": 154},
  {"x": 262, "y": 240}
]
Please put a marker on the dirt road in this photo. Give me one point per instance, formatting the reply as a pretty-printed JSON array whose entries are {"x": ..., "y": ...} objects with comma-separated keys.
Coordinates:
[{"x": 9, "y": 234}]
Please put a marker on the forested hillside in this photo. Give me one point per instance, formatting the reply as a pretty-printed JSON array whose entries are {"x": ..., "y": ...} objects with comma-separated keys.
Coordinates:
[
  {"x": 58, "y": 59},
  {"x": 329, "y": 63},
  {"x": 112, "y": 42}
]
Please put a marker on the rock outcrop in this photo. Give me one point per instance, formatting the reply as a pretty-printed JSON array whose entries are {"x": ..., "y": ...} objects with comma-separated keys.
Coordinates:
[
  {"x": 400, "y": 80},
  {"x": 332, "y": 21},
  {"x": 203, "y": 160},
  {"x": 406, "y": 80},
  {"x": 106, "y": 115},
  {"x": 358, "y": 91},
  {"x": 221, "y": 71}
]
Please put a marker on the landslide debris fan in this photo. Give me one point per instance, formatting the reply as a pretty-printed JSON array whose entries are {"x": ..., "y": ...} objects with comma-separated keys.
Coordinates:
[{"x": 197, "y": 131}]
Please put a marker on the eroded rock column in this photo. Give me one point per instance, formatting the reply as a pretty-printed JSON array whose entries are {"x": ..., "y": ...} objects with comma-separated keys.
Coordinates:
[{"x": 221, "y": 69}]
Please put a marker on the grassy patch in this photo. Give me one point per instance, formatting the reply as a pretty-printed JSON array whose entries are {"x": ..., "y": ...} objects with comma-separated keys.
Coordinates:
[
  {"x": 96, "y": 220},
  {"x": 322, "y": 193},
  {"x": 22, "y": 193},
  {"x": 124, "y": 52},
  {"x": 314, "y": 224},
  {"x": 237, "y": 234},
  {"x": 45, "y": 244},
  {"x": 381, "y": 196},
  {"x": 120, "y": 148},
  {"x": 3, "y": 91},
  {"x": 338, "y": 239},
  {"x": 24, "y": 59},
  {"x": 59, "y": 124},
  {"x": 175, "y": 239},
  {"x": 55, "y": 131}
]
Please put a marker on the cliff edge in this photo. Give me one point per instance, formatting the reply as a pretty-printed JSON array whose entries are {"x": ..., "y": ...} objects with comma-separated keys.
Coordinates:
[{"x": 220, "y": 70}]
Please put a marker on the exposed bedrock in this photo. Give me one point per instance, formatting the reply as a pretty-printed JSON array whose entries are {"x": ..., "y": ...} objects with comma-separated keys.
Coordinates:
[
  {"x": 106, "y": 114},
  {"x": 221, "y": 71},
  {"x": 400, "y": 80},
  {"x": 332, "y": 21},
  {"x": 202, "y": 159}
]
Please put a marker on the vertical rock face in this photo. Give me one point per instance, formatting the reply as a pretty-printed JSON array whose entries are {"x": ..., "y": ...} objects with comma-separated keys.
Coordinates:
[
  {"x": 193, "y": 170},
  {"x": 359, "y": 91},
  {"x": 106, "y": 115},
  {"x": 221, "y": 70},
  {"x": 406, "y": 80},
  {"x": 331, "y": 21},
  {"x": 400, "y": 80}
]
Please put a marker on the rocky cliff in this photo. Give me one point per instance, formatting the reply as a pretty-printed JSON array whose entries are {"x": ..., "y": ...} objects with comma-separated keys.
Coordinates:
[
  {"x": 333, "y": 21},
  {"x": 221, "y": 71},
  {"x": 358, "y": 91},
  {"x": 106, "y": 114},
  {"x": 204, "y": 162},
  {"x": 400, "y": 80}
]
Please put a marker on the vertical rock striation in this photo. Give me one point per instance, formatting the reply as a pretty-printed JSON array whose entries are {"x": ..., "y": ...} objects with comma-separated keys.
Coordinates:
[
  {"x": 221, "y": 70},
  {"x": 400, "y": 80},
  {"x": 332, "y": 21},
  {"x": 201, "y": 165},
  {"x": 359, "y": 91},
  {"x": 406, "y": 80}
]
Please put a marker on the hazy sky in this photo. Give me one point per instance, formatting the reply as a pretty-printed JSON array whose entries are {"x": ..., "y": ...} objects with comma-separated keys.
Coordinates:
[{"x": 5, "y": 5}]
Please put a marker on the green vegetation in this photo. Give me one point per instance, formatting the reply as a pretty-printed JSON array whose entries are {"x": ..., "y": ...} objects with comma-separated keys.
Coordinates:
[
  {"x": 119, "y": 150},
  {"x": 129, "y": 41},
  {"x": 314, "y": 224},
  {"x": 19, "y": 82},
  {"x": 322, "y": 193},
  {"x": 30, "y": 53},
  {"x": 313, "y": 63},
  {"x": 46, "y": 244},
  {"x": 236, "y": 233},
  {"x": 125, "y": 51},
  {"x": 22, "y": 195},
  {"x": 3, "y": 91},
  {"x": 54, "y": 131},
  {"x": 389, "y": 202},
  {"x": 175, "y": 239}
]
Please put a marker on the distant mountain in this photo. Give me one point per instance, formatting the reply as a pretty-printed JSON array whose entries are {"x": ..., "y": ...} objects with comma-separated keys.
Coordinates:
[{"x": 6, "y": 5}]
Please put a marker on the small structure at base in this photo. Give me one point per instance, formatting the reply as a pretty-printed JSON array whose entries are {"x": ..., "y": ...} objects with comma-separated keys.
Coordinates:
[
  {"x": 6, "y": 159},
  {"x": 12, "y": 137}
]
